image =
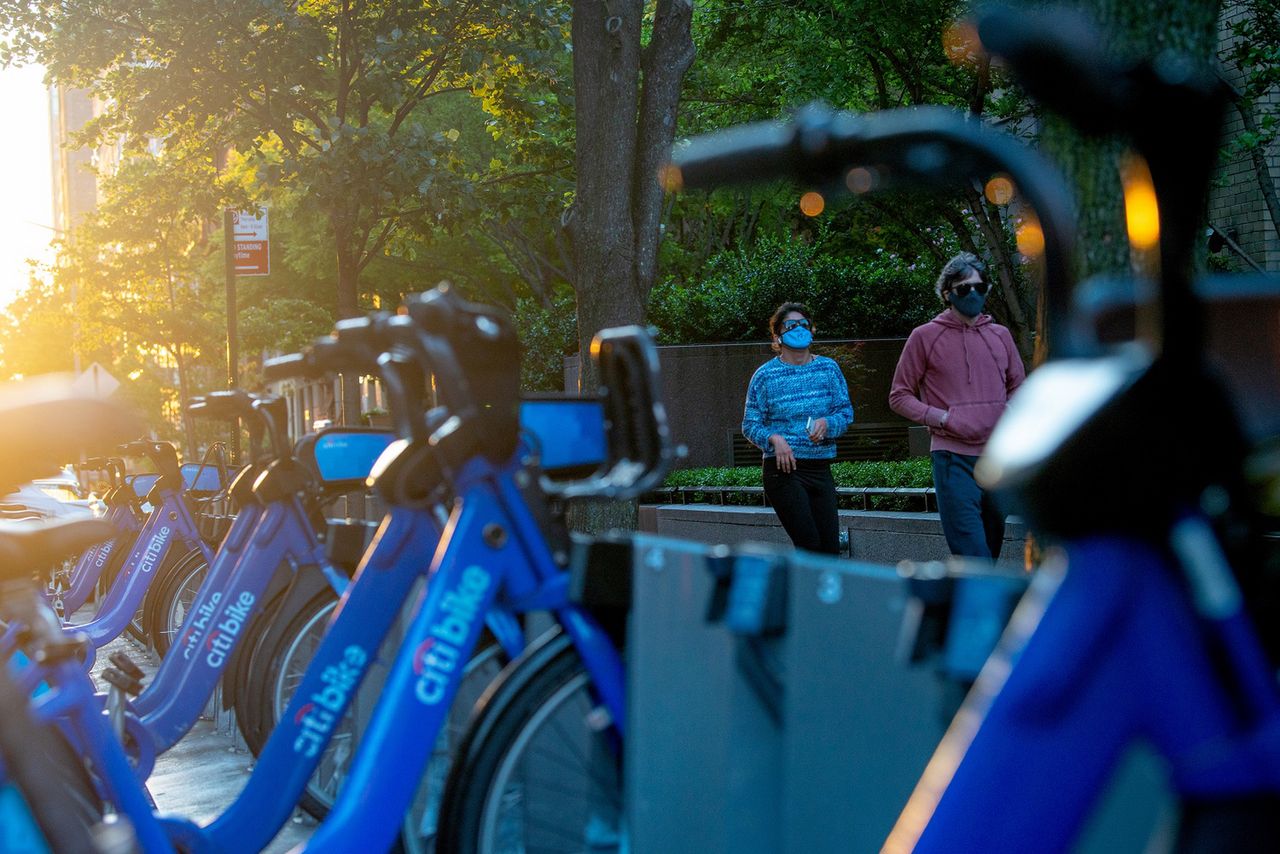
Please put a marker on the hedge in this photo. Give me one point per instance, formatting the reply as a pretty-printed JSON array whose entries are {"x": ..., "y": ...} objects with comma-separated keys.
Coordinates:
[{"x": 914, "y": 473}]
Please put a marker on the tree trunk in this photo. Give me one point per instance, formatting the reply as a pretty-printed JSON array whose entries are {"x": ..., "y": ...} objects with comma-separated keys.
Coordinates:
[
  {"x": 184, "y": 394},
  {"x": 606, "y": 68},
  {"x": 348, "y": 405},
  {"x": 666, "y": 60},
  {"x": 623, "y": 137}
]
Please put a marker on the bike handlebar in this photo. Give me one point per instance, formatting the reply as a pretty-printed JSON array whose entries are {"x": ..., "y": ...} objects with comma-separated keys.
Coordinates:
[
  {"x": 163, "y": 454},
  {"x": 222, "y": 405},
  {"x": 287, "y": 367}
]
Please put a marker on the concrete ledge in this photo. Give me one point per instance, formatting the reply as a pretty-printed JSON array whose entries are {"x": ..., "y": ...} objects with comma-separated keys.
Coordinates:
[{"x": 875, "y": 536}]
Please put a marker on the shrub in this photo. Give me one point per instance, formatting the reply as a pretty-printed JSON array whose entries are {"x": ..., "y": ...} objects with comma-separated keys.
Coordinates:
[
  {"x": 547, "y": 336},
  {"x": 912, "y": 473},
  {"x": 872, "y": 297}
]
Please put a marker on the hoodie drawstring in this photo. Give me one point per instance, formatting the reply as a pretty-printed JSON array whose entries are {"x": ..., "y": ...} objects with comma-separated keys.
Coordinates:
[{"x": 967, "y": 364}]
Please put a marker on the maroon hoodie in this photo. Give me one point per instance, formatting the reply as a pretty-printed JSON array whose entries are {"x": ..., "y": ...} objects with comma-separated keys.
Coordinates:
[{"x": 951, "y": 367}]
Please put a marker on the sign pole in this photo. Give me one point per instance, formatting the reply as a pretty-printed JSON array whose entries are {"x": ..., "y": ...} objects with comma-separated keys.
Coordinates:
[{"x": 233, "y": 344}]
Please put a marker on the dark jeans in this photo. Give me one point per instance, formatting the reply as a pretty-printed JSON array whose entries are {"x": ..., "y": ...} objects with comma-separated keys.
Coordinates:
[
  {"x": 805, "y": 501},
  {"x": 971, "y": 521}
]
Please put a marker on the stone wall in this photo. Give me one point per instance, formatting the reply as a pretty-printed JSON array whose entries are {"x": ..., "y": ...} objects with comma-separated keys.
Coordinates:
[
  {"x": 877, "y": 537},
  {"x": 705, "y": 386}
]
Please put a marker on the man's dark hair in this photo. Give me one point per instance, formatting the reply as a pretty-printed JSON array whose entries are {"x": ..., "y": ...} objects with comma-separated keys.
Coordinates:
[
  {"x": 959, "y": 268},
  {"x": 779, "y": 314}
]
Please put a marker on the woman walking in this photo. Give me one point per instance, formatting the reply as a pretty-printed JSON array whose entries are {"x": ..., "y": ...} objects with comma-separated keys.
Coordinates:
[{"x": 797, "y": 404}]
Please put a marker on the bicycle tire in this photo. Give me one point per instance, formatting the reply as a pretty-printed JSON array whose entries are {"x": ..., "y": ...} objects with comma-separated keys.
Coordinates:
[
  {"x": 494, "y": 800},
  {"x": 250, "y": 678},
  {"x": 271, "y": 635},
  {"x": 294, "y": 650},
  {"x": 124, "y": 545},
  {"x": 168, "y": 608},
  {"x": 244, "y": 674},
  {"x": 138, "y": 626}
]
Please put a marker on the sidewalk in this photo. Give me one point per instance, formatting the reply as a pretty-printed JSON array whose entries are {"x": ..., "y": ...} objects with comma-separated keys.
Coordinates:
[{"x": 205, "y": 771}]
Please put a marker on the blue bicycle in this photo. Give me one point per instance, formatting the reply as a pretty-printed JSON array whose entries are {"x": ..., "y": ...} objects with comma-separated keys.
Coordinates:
[{"x": 490, "y": 497}]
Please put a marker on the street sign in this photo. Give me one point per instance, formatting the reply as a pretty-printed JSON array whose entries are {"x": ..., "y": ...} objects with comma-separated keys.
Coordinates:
[
  {"x": 96, "y": 381},
  {"x": 252, "y": 242}
]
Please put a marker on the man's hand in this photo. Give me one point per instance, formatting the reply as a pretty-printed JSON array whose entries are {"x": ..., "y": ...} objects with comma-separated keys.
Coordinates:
[
  {"x": 782, "y": 450},
  {"x": 817, "y": 430}
]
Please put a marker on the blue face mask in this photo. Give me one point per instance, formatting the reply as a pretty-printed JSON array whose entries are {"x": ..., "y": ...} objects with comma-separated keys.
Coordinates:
[
  {"x": 970, "y": 305},
  {"x": 798, "y": 338}
]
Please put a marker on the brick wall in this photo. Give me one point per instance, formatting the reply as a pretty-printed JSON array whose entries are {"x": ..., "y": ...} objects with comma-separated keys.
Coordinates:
[{"x": 1236, "y": 206}]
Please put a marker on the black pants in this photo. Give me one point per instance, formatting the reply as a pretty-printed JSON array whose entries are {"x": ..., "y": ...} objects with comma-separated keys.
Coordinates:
[
  {"x": 805, "y": 500},
  {"x": 971, "y": 521}
]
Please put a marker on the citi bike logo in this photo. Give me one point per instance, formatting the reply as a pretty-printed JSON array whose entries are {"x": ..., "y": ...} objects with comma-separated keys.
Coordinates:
[
  {"x": 224, "y": 634},
  {"x": 318, "y": 715},
  {"x": 153, "y": 550},
  {"x": 104, "y": 552},
  {"x": 437, "y": 657},
  {"x": 199, "y": 623}
]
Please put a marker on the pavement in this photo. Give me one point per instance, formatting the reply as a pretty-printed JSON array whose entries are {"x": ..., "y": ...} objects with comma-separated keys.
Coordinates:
[{"x": 202, "y": 774}]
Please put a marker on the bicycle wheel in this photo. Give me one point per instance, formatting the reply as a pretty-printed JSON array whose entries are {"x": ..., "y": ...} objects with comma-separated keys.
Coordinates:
[
  {"x": 251, "y": 680},
  {"x": 286, "y": 670},
  {"x": 540, "y": 769},
  {"x": 143, "y": 622},
  {"x": 418, "y": 834},
  {"x": 173, "y": 600}
]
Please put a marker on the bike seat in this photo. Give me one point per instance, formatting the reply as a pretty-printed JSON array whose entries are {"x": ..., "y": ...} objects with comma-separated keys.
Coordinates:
[
  {"x": 44, "y": 422},
  {"x": 226, "y": 405},
  {"x": 28, "y": 547}
]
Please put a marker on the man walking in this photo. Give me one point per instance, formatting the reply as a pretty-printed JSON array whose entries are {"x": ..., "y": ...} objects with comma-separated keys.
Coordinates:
[{"x": 955, "y": 376}]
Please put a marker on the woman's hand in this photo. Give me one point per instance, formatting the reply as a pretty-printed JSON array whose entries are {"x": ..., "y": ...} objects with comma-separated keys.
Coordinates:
[
  {"x": 782, "y": 450},
  {"x": 817, "y": 429}
]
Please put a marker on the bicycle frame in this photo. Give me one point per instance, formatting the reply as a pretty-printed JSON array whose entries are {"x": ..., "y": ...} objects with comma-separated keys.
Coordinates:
[
  {"x": 367, "y": 611},
  {"x": 492, "y": 555},
  {"x": 227, "y": 600},
  {"x": 169, "y": 521},
  {"x": 1119, "y": 653},
  {"x": 73, "y": 705},
  {"x": 88, "y": 569}
]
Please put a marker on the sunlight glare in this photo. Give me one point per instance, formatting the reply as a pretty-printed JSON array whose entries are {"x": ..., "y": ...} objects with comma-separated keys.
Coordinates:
[{"x": 27, "y": 215}]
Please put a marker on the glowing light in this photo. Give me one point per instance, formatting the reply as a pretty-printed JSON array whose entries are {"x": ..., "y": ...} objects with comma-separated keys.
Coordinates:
[
  {"x": 670, "y": 178},
  {"x": 812, "y": 203},
  {"x": 133, "y": 375},
  {"x": 1141, "y": 212},
  {"x": 999, "y": 190},
  {"x": 860, "y": 180},
  {"x": 960, "y": 42},
  {"x": 1030, "y": 238}
]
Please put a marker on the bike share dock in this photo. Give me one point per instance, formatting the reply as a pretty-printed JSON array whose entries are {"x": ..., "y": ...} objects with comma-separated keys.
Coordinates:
[{"x": 773, "y": 707}]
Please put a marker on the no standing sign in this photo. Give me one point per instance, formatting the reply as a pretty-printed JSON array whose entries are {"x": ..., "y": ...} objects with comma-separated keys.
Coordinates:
[{"x": 252, "y": 243}]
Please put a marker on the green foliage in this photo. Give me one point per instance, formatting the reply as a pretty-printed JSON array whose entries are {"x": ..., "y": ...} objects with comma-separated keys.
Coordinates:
[
  {"x": 547, "y": 336},
  {"x": 916, "y": 472},
  {"x": 874, "y": 297},
  {"x": 913, "y": 473}
]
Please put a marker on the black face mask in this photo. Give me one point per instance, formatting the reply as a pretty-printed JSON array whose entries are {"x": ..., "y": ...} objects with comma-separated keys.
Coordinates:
[{"x": 970, "y": 305}]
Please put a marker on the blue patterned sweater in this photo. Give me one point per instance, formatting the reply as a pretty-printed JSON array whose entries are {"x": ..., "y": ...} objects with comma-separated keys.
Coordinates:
[{"x": 781, "y": 398}]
